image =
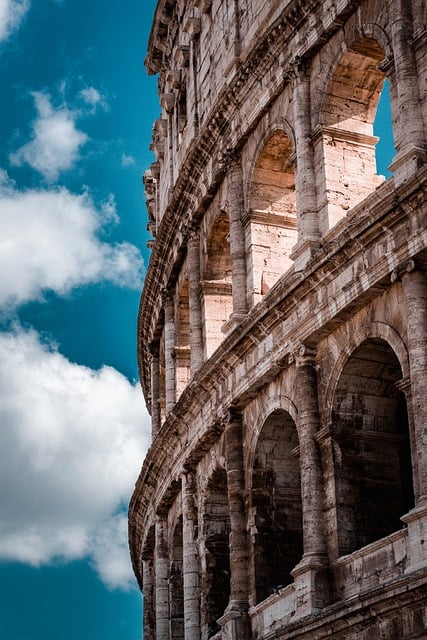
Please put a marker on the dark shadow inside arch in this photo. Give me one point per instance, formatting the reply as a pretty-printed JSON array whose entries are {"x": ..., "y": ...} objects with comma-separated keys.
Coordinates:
[
  {"x": 373, "y": 472},
  {"x": 276, "y": 505},
  {"x": 216, "y": 573},
  {"x": 176, "y": 585}
]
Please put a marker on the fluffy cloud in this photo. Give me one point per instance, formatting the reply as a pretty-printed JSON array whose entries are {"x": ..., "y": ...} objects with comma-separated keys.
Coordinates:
[
  {"x": 11, "y": 15},
  {"x": 71, "y": 444},
  {"x": 56, "y": 141},
  {"x": 49, "y": 241},
  {"x": 127, "y": 161},
  {"x": 93, "y": 98}
]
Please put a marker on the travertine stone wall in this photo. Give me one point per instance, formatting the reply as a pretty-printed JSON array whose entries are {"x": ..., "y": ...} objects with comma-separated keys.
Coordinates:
[{"x": 282, "y": 338}]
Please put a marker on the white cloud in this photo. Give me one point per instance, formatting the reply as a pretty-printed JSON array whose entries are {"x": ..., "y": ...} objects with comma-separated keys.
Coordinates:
[
  {"x": 127, "y": 161},
  {"x": 93, "y": 98},
  {"x": 48, "y": 241},
  {"x": 56, "y": 141},
  {"x": 11, "y": 14},
  {"x": 71, "y": 444}
]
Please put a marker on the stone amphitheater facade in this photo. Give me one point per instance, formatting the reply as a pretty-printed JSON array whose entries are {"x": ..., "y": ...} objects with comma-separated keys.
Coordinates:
[{"x": 282, "y": 333}]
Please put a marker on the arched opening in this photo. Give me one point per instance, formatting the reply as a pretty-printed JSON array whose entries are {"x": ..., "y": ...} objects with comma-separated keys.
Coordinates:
[
  {"x": 345, "y": 144},
  {"x": 276, "y": 505},
  {"x": 216, "y": 561},
  {"x": 383, "y": 129},
  {"x": 373, "y": 472},
  {"x": 176, "y": 585},
  {"x": 182, "y": 340},
  {"x": 217, "y": 283},
  {"x": 272, "y": 224}
]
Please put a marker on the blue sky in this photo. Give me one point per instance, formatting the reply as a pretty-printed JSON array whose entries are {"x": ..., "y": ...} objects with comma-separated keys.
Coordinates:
[{"x": 76, "y": 116}]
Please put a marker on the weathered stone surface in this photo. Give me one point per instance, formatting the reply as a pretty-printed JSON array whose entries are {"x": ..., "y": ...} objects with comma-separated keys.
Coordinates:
[{"x": 282, "y": 337}]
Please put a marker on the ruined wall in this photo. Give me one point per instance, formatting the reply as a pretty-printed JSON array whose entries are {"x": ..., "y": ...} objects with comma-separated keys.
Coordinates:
[{"x": 282, "y": 337}]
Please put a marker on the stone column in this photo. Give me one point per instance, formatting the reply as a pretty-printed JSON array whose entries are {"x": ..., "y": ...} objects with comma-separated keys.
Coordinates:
[
  {"x": 410, "y": 142},
  {"x": 237, "y": 237},
  {"x": 162, "y": 580},
  {"x": 194, "y": 291},
  {"x": 170, "y": 373},
  {"x": 149, "y": 625},
  {"x": 190, "y": 559},
  {"x": 305, "y": 178},
  {"x": 235, "y": 620},
  {"x": 415, "y": 292},
  {"x": 155, "y": 389},
  {"x": 310, "y": 575}
]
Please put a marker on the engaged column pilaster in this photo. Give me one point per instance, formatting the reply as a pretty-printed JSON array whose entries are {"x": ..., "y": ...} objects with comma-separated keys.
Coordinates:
[
  {"x": 162, "y": 580},
  {"x": 194, "y": 290},
  {"x": 190, "y": 559}
]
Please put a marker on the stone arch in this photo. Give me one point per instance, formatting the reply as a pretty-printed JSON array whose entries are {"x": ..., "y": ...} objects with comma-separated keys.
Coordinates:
[
  {"x": 272, "y": 403},
  {"x": 182, "y": 339},
  {"x": 275, "y": 505},
  {"x": 372, "y": 456},
  {"x": 215, "y": 556},
  {"x": 343, "y": 141},
  {"x": 176, "y": 584},
  {"x": 271, "y": 224},
  {"x": 352, "y": 341},
  {"x": 217, "y": 282}
]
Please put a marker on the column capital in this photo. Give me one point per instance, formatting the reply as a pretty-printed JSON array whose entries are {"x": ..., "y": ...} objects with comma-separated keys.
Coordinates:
[
  {"x": 304, "y": 354},
  {"x": 403, "y": 269}
]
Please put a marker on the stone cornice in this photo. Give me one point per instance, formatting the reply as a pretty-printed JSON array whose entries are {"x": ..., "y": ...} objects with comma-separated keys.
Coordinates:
[
  {"x": 185, "y": 436},
  {"x": 190, "y": 197}
]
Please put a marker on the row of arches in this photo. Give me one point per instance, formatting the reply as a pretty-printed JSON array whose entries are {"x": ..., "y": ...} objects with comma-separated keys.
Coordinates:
[{"x": 367, "y": 487}]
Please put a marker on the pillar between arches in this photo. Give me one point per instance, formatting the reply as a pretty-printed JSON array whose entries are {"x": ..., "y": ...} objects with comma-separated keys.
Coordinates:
[
  {"x": 148, "y": 585},
  {"x": 235, "y": 621},
  {"x": 196, "y": 323},
  {"x": 237, "y": 239},
  {"x": 310, "y": 575},
  {"x": 190, "y": 559},
  {"x": 410, "y": 142},
  {"x": 155, "y": 389},
  {"x": 170, "y": 372},
  {"x": 307, "y": 214},
  {"x": 162, "y": 579}
]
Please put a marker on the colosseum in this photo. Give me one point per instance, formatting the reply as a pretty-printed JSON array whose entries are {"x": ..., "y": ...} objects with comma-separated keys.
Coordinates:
[{"x": 282, "y": 333}]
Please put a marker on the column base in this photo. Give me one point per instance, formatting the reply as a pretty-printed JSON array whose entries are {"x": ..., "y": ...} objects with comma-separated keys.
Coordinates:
[
  {"x": 302, "y": 252},
  {"x": 416, "y": 520},
  {"x": 311, "y": 580},
  {"x": 407, "y": 163},
  {"x": 235, "y": 622}
]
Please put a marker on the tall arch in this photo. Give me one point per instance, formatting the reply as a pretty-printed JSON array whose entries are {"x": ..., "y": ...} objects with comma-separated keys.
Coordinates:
[
  {"x": 373, "y": 472},
  {"x": 217, "y": 283},
  {"x": 215, "y": 591},
  {"x": 344, "y": 142},
  {"x": 276, "y": 511},
  {"x": 176, "y": 585},
  {"x": 271, "y": 228}
]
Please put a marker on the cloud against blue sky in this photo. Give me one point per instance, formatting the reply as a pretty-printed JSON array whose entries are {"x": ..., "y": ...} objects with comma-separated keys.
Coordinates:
[
  {"x": 11, "y": 14},
  {"x": 76, "y": 437},
  {"x": 72, "y": 437}
]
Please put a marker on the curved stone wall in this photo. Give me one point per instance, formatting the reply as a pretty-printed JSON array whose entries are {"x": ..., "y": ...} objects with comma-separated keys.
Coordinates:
[{"x": 282, "y": 333}]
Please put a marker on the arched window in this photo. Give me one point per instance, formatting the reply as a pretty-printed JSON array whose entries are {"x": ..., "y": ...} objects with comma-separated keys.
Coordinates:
[
  {"x": 176, "y": 585},
  {"x": 373, "y": 473},
  {"x": 215, "y": 590},
  {"x": 272, "y": 214},
  {"x": 276, "y": 510},
  {"x": 344, "y": 143},
  {"x": 217, "y": 285}
]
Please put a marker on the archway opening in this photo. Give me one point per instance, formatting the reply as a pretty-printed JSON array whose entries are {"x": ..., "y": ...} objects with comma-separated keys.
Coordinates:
[
  {"x": 345, "y": 145},
  {"x": 176, "y": 585},
  {"x": 373, "y": 472},
  {"x": 216, "y": 563},
  {"x": 217, "y": 283},
  {"x": 272, "y": 225},
  {"x": 276, "y": 505}
]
